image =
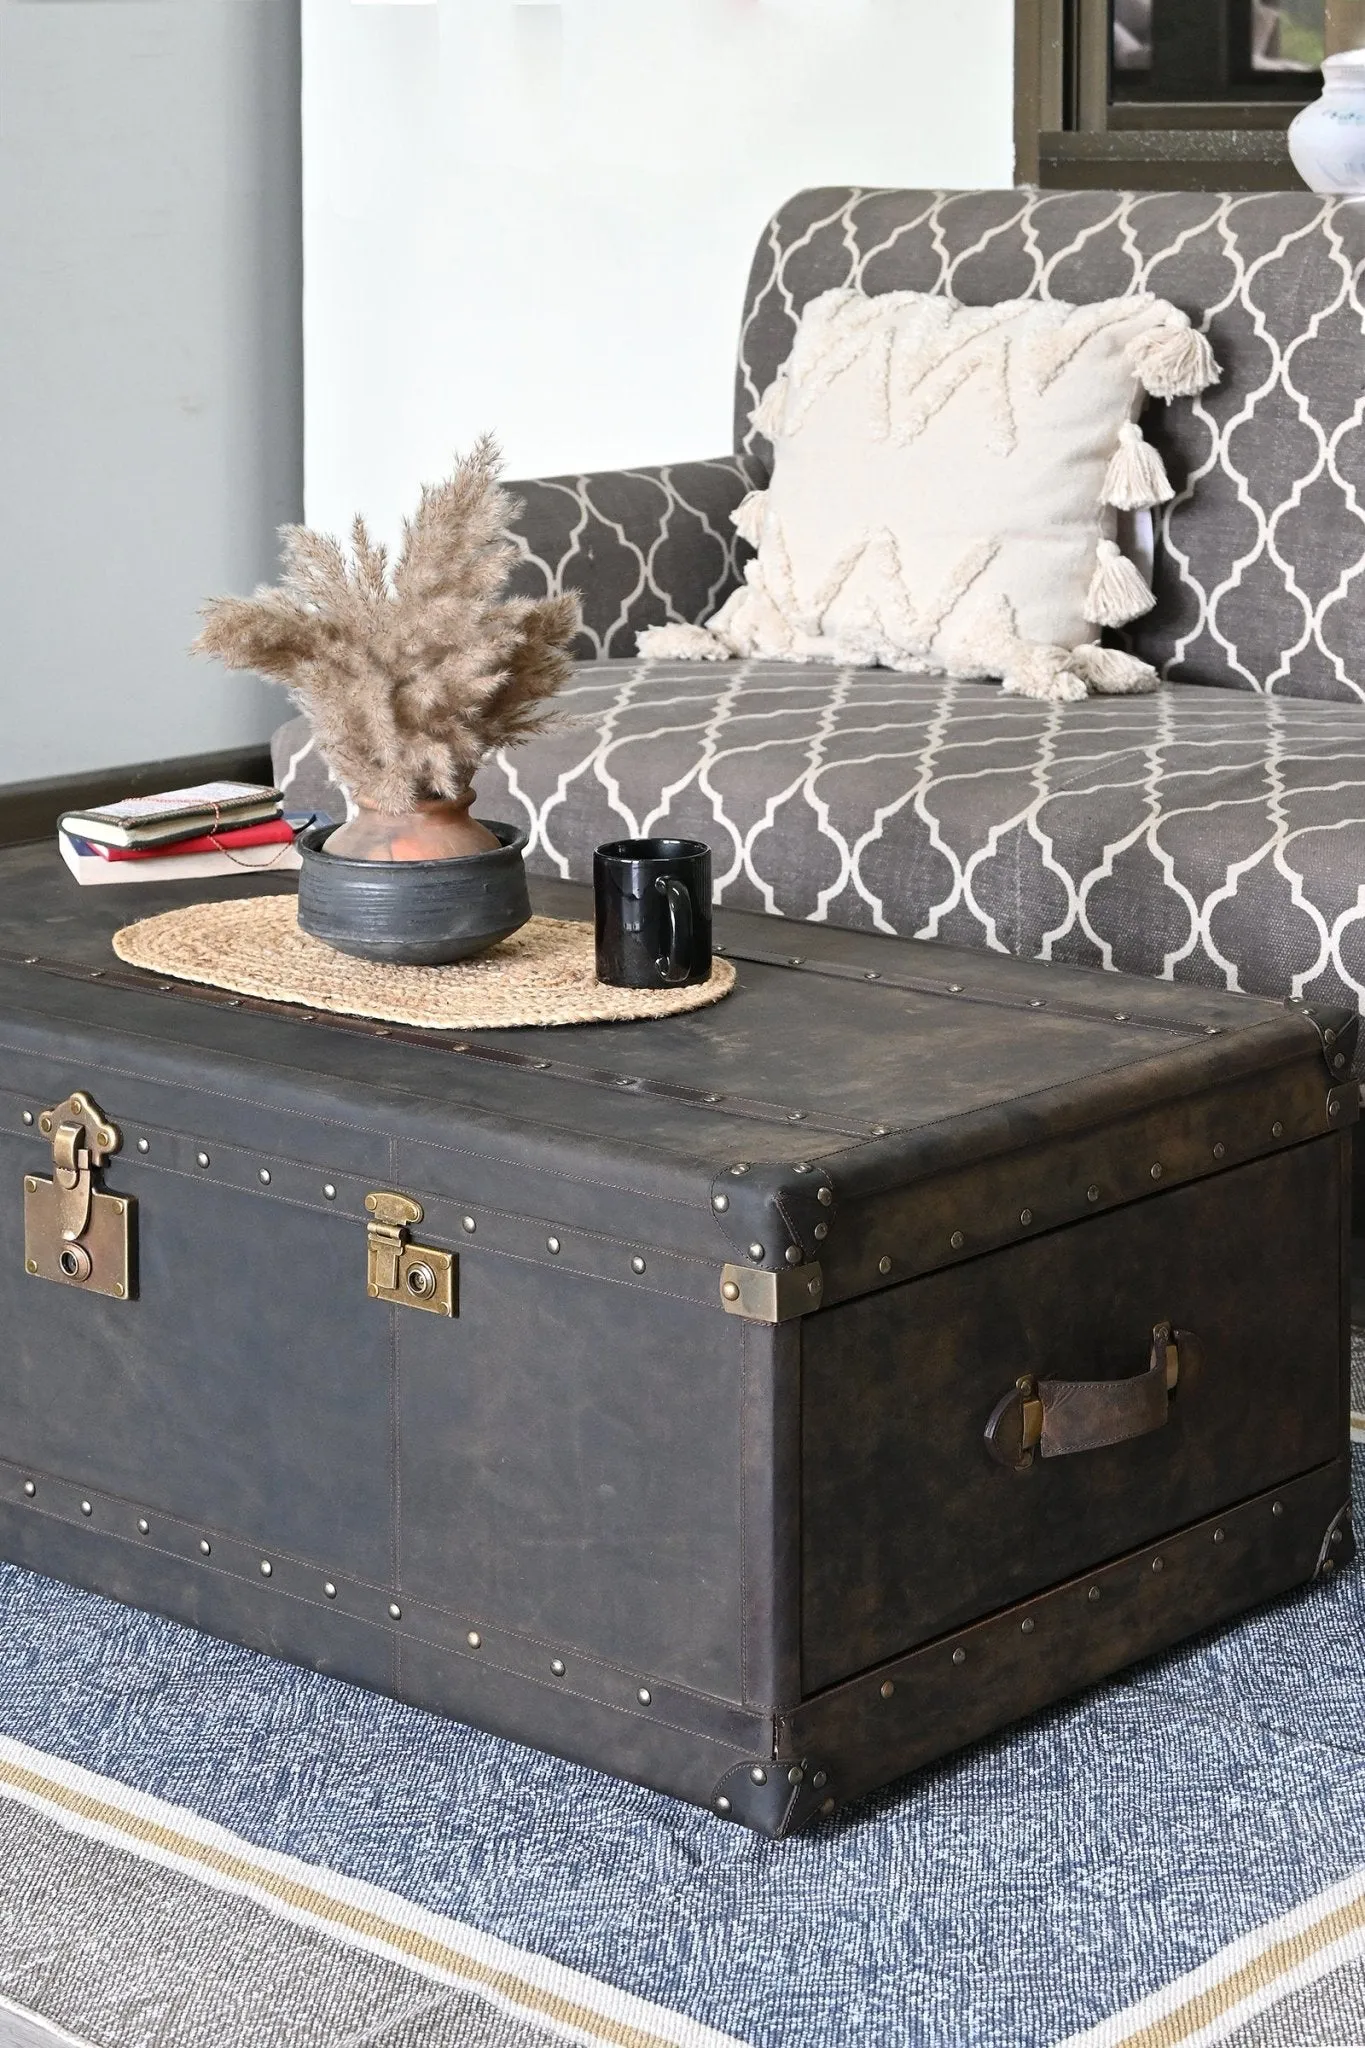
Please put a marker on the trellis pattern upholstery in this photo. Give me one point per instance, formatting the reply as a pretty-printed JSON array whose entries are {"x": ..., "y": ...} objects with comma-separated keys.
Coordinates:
[
  {"x": 1214, "y": 832},
  {"x": 1197, "y": 835}
]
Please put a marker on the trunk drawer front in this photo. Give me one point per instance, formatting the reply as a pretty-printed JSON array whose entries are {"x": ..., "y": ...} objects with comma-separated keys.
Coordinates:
[{"x": 910, "y": 1528}]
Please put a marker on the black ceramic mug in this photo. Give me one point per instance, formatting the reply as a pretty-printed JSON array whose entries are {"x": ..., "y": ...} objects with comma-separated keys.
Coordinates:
[{"x": 653, "y": 901}]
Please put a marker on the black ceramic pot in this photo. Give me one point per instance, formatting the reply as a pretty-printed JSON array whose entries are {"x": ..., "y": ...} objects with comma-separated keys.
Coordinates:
[{"x": 414, "y": 913}]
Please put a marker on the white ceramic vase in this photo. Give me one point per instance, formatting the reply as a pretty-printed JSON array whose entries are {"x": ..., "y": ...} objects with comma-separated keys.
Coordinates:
[{"x": 1327, "y": 139}]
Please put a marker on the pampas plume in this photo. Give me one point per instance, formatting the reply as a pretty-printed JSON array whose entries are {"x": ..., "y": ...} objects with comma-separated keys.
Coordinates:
[{"x": 410, "y": 672}]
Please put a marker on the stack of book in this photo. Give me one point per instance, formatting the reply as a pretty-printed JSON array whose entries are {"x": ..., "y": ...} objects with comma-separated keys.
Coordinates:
[{"x": 218, "y": 828}]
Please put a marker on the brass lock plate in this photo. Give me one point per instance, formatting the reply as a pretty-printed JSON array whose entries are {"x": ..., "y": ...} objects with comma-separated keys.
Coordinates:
[
  {"x": 397, "y": 1270},
  {"x": 74, "y": 1233}
]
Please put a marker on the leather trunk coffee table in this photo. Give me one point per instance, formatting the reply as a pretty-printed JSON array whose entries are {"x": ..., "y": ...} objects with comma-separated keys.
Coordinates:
[{"x": 756, "y": 1404}]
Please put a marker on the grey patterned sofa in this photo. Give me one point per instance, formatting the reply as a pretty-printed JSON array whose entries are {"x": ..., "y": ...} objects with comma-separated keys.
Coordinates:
[{"x": 1214, "y": 832}]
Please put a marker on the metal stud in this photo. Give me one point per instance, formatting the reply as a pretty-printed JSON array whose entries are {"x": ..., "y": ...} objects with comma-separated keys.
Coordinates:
[
  {"x": 755, "y": 1251},
  {"x": 825, "y": 1196},
  {"x": 1336, "y": 1536},
  {"x": 395, "y": 1611},
  {"x": 957, "y": 1240},
  {"x": 637, "y": 1264},
  {"x": 1120, "y": 1016},
  {"x": 265, "y": 1176},
  {"x": 821, "y": 1232},
  {"x": 1037, "y": 1003},
  {"x": 820, "y": 1778},
  {"x": 1277, "y": 1507},
  {"x": 1220, "y": 1535},
  {"x": 1220, "y": 1151},
  {"x": 1157, "y": 1170},
  {"x": 795, "y": 960},
  {"x": 552, "y": 1244},
  {"x": 1026, "y": 1216},
  {"x": 205, "y": 1546},
  {"x": 474, "y": 1639},
  {"x": 887, "y": 1688},
  {"x": 759, "y": 1775},
  {"x": 203, "y": 1158},
  {"x": 827, "y": 1807},
  {"x": 1334, "y": 1107},
  {"x": 1277, "y": 1129},
  {"x": 880, "y": 1130},
  {"x": 1158, "y": 1564},
  {"x": 1092, "y": 1193},
  {"x": 86, "y": 1508},
  {"x": 467, "y": 1223},
  {"x": 329, "y": 1191},
  {"x": 1328, "y": 1566},
  {"x": 720, "y": 1203},
  {"x": 883, "y": 1264},
  {"x": 1093, "y": 1594},
  {"x": 28, "y": 1116},
  {"x": 645, "y": 1696},
  {"x": 793, "y": 1255},
  {"x": 266, "y": 1567},
  {"x": 801, "y": 1166},
  {"x": 1026, "y": 1626},
  {"x": 144, "y": 1145},
  {"x": 557, "y": 1666},
  {"x": 796, "y": 1116},
  {"x": 330, "y": 1590},
  {"x": 144, "y": 1527},
  {"x": 741, "y": 1166},
  {"x": 29, "y": 1488},
  {"x": 722, "y": 1804},
  {"x": 955, "y": 988},
  {"x": 795, "y": 1775},
  {"x": 959, "y": 1656},
  {"x": 871, "y": 975},
  {"x": 730, "y": 1290}
]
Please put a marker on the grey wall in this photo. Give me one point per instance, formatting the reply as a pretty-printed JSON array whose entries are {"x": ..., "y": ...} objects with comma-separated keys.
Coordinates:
[{"x": 150, "y": 365}]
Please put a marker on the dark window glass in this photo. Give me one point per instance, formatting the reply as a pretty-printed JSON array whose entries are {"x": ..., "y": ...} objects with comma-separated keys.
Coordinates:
[{"x": 1216, "y": 49}]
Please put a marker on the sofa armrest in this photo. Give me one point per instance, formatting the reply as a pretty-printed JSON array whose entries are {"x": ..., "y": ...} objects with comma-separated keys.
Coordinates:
[{"x": 643, "y": 547}]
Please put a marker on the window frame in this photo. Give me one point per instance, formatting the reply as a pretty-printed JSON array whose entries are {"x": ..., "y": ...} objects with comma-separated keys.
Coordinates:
[{"x": 1068, "y": 133}]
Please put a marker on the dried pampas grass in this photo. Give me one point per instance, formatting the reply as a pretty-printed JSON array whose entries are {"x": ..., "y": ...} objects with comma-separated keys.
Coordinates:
[{"x": 410, "y": 673}]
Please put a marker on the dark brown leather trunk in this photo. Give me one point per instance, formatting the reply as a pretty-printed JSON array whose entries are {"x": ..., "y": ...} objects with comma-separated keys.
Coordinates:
[{"x": 696, "y": 1485}]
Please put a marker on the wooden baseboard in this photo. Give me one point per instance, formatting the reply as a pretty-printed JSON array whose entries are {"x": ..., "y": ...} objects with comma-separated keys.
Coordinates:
[{"x": 30, "y": 810}]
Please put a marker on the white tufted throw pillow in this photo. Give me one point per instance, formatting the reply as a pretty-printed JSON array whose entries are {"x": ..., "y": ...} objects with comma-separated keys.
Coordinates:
[{"x": 946, "y": 487}]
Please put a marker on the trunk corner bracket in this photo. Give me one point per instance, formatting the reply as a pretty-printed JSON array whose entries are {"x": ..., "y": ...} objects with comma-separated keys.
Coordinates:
[{"x": 765, "y": 1297}]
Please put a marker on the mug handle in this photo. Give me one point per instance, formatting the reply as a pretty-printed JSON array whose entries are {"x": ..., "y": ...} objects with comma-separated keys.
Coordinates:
[{"x": 677, "y": 963}]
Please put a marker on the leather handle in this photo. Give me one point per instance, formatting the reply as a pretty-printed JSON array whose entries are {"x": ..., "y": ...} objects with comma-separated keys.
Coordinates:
[
  {"x": 1057, "y": 1418},
  {"x": 677, "y": 964}
]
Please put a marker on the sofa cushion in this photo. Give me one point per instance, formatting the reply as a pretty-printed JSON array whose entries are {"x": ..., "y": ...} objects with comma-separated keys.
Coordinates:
[
  {"x": 1261, "y": 552},
  {"x": 947, "y": 487},
  {"x": 1199, "y": 834}
]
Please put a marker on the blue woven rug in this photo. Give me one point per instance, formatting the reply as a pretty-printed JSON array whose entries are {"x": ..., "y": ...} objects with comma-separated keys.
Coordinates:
[{"x": 1204, "y": 1814}]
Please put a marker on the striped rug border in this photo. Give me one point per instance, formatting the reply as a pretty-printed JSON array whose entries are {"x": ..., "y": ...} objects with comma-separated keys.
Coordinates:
[
  {"x": 1249, "y": 1976},
  {"x": 360, "y": 1915}
]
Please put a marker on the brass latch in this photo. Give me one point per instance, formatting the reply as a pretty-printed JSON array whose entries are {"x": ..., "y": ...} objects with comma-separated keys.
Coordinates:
[
  {"x": 73, "y": 1232},
  {"x": 399, "y": 1270}
]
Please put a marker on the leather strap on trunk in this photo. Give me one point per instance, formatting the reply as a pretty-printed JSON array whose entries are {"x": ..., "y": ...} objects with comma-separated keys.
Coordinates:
[{"x": 1057, "y": 1418}]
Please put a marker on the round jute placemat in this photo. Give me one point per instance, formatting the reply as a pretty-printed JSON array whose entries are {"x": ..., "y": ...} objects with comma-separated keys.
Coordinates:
[{"x": 543, "y": 974}]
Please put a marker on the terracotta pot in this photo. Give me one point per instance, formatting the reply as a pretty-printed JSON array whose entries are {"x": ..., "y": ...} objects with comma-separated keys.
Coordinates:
[
  {"x": 415, "y": 913},
  {"x": 439, "y": 829}
]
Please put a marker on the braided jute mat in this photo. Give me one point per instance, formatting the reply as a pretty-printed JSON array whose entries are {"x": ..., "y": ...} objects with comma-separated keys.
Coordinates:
[{"x": 543, "y": 974}]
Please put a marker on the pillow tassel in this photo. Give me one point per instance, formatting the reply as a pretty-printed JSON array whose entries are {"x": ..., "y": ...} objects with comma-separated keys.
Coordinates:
[
  {"x": 680, "y": 643},
  {"x": 1174, "y": 361},
  {"x": 1112, "y": 673},
  {"x": 1136, "y": 478},
  {"x": 1117, "y": 592},
  {"x": 771, "y": 409},
  {"x": 747, "y": 517}
]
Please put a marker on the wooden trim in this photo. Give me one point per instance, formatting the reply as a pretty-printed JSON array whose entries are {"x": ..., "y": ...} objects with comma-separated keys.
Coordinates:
[
  {"x": 1039, "y": 80},
  {"x": 1068, "y": 135},
  {"x": 30, "y": 810}
]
